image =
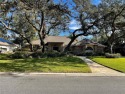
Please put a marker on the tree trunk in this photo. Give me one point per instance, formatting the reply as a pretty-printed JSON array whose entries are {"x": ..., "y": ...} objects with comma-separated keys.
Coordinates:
[
  {"x": 30, "y": 44},
  {"x": 111, "y": 48},
  {"x": 31, "y": 47},
  {"x": 70, "y": 43},
  {"x": 43, "y": 49},
  {"x": 41, "y": 42}
]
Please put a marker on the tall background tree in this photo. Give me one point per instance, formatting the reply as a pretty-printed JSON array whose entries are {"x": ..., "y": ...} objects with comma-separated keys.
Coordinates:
[
  {"x": 113, "y": 28},
  {"x": 25, "y": 16},
  {"x": 13, "y": 22}
]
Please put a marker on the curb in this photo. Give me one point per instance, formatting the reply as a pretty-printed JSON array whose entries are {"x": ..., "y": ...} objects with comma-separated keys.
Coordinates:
[{"x": 60, "y": 74}]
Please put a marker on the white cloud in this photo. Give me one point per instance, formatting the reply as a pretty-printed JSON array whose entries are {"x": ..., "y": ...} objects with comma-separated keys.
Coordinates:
[
  {"x": 73, "y": 22},
  {"x": 74, "y": 25}
]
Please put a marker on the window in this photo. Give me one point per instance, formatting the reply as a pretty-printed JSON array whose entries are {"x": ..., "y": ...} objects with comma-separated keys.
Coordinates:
[{"x": 89, "y": 48}]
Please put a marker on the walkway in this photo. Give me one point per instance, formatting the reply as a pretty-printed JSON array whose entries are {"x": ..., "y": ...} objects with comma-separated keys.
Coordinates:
[{"x": 98, "y": 69}]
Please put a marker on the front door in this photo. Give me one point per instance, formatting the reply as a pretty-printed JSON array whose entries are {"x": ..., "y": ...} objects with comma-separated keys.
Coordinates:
[{"x": 56, "y": 48}]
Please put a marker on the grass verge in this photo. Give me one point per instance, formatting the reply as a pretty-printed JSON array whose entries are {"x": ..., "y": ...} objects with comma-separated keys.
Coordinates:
[
  {"x": 114, "y": 63},
  {"x": 59, "y": 64}
]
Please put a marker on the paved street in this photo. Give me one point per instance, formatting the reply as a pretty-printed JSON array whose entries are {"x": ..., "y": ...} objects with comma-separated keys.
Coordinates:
[{"x": 61, "y": 85}]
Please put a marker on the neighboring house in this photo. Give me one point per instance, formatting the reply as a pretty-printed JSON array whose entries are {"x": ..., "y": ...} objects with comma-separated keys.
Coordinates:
[
  {"x": 6, "y": 46},
  {"x": 88, "y": 46},
  {"x": 59, "y": 43}
]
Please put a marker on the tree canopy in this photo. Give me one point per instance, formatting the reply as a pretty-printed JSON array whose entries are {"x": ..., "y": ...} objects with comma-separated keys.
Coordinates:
[
  {"x": 27, "y": 18},
  {"x": 24, "y": 16}
]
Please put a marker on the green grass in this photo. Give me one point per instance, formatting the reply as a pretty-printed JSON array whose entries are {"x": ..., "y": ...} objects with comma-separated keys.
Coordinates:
[
  {"x": 115, "y": 63},
  {"x": 4, "y": 56},
  {"x": 60, "y": 64}
]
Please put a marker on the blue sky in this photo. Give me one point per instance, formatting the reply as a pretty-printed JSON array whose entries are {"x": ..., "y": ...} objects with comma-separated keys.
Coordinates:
[{"x": 96, "y": 2}]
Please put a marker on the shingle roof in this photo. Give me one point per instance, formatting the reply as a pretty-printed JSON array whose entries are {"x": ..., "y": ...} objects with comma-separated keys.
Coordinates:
[
  {"x": 53, "y": 39},
  {"x": 87, "y": 41},
  {"x": 4, "y": 43},
  {"x": 56, "y": 39}
]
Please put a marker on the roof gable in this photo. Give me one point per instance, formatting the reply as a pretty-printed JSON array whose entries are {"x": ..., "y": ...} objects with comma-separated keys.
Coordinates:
[
  {"x": 53, "y": 39},
  {"x": 56, "y": 39},
  {"x": 87, "y": 41}
]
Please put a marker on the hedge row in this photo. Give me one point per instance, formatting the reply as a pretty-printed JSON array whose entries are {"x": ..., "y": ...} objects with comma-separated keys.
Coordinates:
[
  {"x": 108, "y": 55},
  {"x": 25, "y": 54}
]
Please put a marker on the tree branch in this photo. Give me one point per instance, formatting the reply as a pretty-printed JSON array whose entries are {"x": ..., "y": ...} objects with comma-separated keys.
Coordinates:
[
  {"x": 76, "y": 31},
  {"x": 54, "y": 25},
  {"x": 31, "y": 23},
  {"x": 98, "y": 19},
  {"x": 42, "y": 21},
  {"x": 15, "y": 31}
]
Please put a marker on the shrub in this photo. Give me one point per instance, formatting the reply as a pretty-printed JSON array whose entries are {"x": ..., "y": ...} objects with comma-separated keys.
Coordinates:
[
  {"x": 99, "y": 54},
  {"x": 20, "y": 54},
  {"x": 37, "y": 54},
  {"x": 89, "y": 53},
  {"x": 47, "y": 54},
  {"x": 108, "y": 55},
  {"x": 4, "y": 56}
]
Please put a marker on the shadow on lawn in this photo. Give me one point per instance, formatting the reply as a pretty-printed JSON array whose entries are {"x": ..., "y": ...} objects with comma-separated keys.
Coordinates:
[
  {"x": 17, "y": 66},
  {"x": 39, "y": 65}
]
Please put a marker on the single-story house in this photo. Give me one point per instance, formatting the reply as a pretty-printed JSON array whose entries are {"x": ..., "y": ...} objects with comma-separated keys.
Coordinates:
[
  {"x": 57, "y": 43},
  {"x": 87, "y": 46},
  {"x": 78, "y": 47},
  {"x": 6, "y": 46}
]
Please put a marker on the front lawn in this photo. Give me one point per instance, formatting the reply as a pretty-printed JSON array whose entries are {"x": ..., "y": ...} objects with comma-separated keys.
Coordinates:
[
  {"x": 4, "y": 56},
  {"x": 60, "y": 64},
  {"x": 115, "y": 63}
]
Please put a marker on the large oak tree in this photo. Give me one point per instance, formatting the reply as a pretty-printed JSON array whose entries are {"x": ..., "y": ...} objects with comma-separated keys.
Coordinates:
[
  {"x": 45, "y": 17},
  {"x": 113, "y": 26},
  {"x": 89, "y": 19}
]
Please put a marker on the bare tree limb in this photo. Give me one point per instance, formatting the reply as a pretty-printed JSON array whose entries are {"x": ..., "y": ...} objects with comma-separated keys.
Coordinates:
[{"x": 31, "y": 23}]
